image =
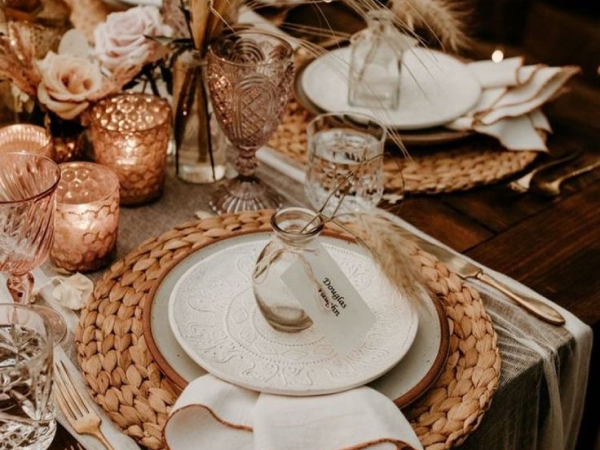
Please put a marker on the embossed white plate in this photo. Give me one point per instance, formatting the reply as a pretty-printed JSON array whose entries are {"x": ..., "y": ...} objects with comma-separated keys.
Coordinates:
[
  {"x": 214, "y": 317},
  {"x": 436, "y": 88},
  {"x": 407, "y": 381}
]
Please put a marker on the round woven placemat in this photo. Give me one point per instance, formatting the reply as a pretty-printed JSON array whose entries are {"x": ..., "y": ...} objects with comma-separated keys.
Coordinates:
[
  {"x": 126, "y": 382},
  {"x": 468, "y": 164}
]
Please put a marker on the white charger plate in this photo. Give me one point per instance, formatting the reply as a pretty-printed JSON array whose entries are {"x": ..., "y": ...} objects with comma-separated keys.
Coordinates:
[
  {"x": 215, "y": 318},
  {"x": 436, "y": 88},
  {"x": 410, "y": 378}
]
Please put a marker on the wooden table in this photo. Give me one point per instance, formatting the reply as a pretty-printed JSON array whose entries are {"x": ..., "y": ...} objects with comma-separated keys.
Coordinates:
[{"x": 550, "y": 245}]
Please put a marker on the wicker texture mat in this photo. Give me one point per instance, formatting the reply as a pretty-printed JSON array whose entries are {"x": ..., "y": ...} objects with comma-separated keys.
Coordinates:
[
  {"x": 466, "y": 165},
  {"x": 126, "y": 382}
]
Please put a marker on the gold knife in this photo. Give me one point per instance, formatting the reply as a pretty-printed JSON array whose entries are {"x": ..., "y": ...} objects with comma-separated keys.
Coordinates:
[{"x": 467, "y": 270}]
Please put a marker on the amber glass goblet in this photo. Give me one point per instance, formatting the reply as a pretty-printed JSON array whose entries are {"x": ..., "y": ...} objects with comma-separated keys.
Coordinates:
[
  {"x": 28, "y": 185},
  {"x": 250, "y": 75}
]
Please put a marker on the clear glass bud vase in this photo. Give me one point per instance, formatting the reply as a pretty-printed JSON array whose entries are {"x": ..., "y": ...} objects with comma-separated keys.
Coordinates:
[
  {"x": 295, "y": 233},
  {"x": 376, "y": 62},
  {"x": 200, "y": 145}
]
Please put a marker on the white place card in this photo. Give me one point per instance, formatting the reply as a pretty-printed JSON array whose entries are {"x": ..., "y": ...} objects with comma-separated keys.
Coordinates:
[{"x": 337, "y": 309}]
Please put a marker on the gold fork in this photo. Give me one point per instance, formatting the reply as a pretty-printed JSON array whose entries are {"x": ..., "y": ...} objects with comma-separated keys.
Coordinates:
[
  {"x": 77, "y": 409},
  {"x": 76, "y": 447}
]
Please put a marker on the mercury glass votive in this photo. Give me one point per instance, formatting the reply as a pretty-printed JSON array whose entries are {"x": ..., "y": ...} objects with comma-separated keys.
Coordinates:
[
  {"x": 87, "y": 217},
  {"x": 130, "y": 134},
  {"x": 26, "y": 138}
]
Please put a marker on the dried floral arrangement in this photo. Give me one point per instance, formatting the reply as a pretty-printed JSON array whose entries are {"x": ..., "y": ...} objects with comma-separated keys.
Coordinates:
[
  {"x": 199, "y": 22},
  {"x": 65, "y": 84}
]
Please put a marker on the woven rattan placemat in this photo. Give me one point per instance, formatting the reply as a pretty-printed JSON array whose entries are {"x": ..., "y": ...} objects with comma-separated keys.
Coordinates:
[
  {"x": 126, "y": 382},
  {"x": 459, "y": 167}
]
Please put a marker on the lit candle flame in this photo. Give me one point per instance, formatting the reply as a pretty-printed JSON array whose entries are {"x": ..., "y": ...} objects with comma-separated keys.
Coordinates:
[{"x": 498, "y": 56}]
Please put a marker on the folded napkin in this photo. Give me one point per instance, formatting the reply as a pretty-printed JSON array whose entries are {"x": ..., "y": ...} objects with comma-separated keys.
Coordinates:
[
  {"x": 509, "y": 107},
  {"x": 214, "y": 415}
]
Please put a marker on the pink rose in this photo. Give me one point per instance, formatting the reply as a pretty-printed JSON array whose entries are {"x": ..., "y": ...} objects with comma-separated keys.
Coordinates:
[
  {"x": 121, "y": 41},
  {"x": 67, "y": 84}
]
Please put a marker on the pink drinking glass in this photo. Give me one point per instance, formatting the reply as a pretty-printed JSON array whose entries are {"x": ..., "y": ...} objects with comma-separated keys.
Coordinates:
[
  {"x": 250, "y": 76},
  {"x": 28, "y": 185},
  {"x": 26, "y": 138}
]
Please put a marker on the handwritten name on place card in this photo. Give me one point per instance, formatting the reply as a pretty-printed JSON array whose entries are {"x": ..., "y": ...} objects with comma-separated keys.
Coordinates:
[{"x": 336, "y": 308}]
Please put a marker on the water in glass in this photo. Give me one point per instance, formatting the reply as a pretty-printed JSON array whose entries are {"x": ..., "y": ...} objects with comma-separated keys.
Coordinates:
[
  {"x": 344, "y": 162},
  {"x": 26, "y": 401}
]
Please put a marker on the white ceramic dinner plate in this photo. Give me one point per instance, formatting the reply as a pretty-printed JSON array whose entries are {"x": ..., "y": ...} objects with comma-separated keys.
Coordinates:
[
  {"x": 436, "y": 88},
  {"x": 215, "y": 319},
  {"x": 403, "y": 384}
]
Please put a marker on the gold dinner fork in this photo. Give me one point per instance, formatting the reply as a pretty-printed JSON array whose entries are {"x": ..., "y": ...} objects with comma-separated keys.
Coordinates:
[
  {"x": 75, "y": 447},
  {"x": 77, "y": 409},
  {"x": 523, "y": 184}
]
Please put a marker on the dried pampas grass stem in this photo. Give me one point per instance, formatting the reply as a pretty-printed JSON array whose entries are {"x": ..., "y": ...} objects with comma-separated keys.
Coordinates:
[{"x": 392, "y": 248}]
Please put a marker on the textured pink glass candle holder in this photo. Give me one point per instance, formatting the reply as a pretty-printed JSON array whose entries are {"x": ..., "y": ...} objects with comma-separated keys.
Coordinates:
[
  {"x": 130, "y": 133},
  {"x": 87, "y": 217},
  {"x": 27, "y": 139}
]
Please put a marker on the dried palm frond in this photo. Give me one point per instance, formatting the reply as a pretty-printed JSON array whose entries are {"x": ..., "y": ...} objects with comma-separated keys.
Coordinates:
[
  {"x": 200, "y": 15},
  {"x": 221, "y": 17},
  {"x": 392, "y": 248},
  {"x": 444, "y": 20},
  {"x": 209, "y": 18}
]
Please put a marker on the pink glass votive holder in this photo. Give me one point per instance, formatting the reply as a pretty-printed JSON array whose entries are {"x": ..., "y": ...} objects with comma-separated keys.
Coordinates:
[
  {"x": 130, "y": 133},
  {"x": 26, "y": 138},
  {"x": 87, "y": 217}
]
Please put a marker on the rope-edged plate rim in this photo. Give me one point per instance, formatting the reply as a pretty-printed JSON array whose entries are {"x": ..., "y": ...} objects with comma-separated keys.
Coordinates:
[{"x": 172, "y": 374}]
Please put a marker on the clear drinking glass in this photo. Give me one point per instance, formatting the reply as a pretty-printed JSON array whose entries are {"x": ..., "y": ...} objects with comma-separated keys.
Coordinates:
[
  {"x": 26, "y": 402},
  {"x": 28, "y": 186},
  {"x": 295, "y": 231},
  {"x": 345, "y": 162},
  {"x": 250, "y": 75}
]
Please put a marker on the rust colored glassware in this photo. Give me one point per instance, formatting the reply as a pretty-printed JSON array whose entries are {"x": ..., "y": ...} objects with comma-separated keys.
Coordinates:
[
  {"x": 130, "y": 134},
  {"x": 26, "y": 138},
  {"x": 87, "y": 217},
  {"x": 250, "y": 74},
  {"x": 28, "y": 186}
]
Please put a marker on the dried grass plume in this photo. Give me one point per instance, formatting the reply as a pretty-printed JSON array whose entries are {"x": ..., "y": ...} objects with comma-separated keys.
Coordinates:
[
  {"x": 392, "y": 248},
  {"x": 443, "y": 19}
]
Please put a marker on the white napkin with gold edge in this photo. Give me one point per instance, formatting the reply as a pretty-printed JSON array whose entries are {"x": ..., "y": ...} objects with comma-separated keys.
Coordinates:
[
  {"x": 214, "y": 415},
  {"x": 509, "y": 107}
]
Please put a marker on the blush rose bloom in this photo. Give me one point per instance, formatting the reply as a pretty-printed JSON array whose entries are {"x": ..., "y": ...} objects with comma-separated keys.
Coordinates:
[
  {"x": 67, "y": 84},
  {"x": 121, "y": 41}
]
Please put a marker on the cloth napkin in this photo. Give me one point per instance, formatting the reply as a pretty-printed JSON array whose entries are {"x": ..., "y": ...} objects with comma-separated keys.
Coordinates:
[
  {"x": 509, "y": 107},
  {"x": 214, "y": 415}
]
